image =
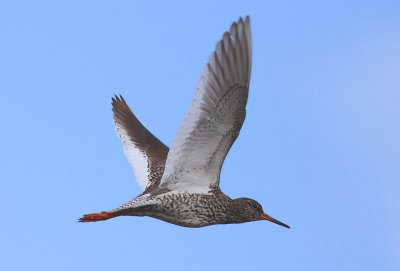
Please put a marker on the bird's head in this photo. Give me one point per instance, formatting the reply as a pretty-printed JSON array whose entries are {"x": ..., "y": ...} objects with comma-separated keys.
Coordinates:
[{"x": 251, "y": 210}]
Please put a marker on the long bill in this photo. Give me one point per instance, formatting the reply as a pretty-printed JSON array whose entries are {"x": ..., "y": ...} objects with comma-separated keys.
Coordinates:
[{"x": 264, "y": 216}]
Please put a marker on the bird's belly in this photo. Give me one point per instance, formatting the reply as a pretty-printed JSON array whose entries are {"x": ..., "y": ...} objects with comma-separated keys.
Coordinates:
[
  {"x": 196, "y": 210},
  {"x": 191, "y": 221}
]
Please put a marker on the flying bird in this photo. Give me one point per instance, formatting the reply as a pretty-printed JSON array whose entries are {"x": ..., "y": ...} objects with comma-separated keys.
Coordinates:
[{"x": 181, "y": 185}]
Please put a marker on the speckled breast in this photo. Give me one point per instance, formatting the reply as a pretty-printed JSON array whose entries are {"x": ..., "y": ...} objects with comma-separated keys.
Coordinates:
[{"x": 193, "y": 210}]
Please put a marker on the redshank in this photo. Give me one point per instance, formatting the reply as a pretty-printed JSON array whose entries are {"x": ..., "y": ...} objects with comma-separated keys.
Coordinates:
[{"x": 181, "y": 185}]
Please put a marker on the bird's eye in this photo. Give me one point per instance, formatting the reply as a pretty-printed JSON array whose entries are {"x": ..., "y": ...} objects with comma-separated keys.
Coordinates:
[{"x": 254, "y": 206}]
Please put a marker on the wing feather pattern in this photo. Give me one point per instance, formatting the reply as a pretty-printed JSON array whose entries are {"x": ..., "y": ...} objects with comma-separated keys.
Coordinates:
[
  {"x": 144, "y": 151},
  {"x": 214, "y": 120}
]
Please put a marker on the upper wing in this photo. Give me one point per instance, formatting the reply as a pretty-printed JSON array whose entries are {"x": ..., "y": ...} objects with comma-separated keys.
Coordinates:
[
  {"x": 214, "y": 120},
  {"x": 144, "y": 151}
]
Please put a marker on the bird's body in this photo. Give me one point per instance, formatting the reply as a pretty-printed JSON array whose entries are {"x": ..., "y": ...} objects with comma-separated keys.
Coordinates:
[
  {"x": 184, "y": 209},
  {"x": 181, "y": 184}
]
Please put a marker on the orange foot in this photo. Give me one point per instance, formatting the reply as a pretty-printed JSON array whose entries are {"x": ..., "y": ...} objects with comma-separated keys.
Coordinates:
[{"x": 98, "y": 217}]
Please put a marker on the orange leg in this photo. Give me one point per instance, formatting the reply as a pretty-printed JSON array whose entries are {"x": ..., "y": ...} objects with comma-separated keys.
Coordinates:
[{"x": 98, "y": 216}]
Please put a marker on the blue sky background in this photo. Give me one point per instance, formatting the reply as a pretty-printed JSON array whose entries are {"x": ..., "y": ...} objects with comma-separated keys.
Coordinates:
[{"x": 319, "y": 149}]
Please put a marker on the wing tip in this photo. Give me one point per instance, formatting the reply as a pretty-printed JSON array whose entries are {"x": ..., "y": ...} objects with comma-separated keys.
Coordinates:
[{"x": 117, "y": 98}]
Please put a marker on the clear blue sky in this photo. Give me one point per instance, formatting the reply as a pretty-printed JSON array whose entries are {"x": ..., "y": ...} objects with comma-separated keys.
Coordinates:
[{"x": 320, "y": 147}]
